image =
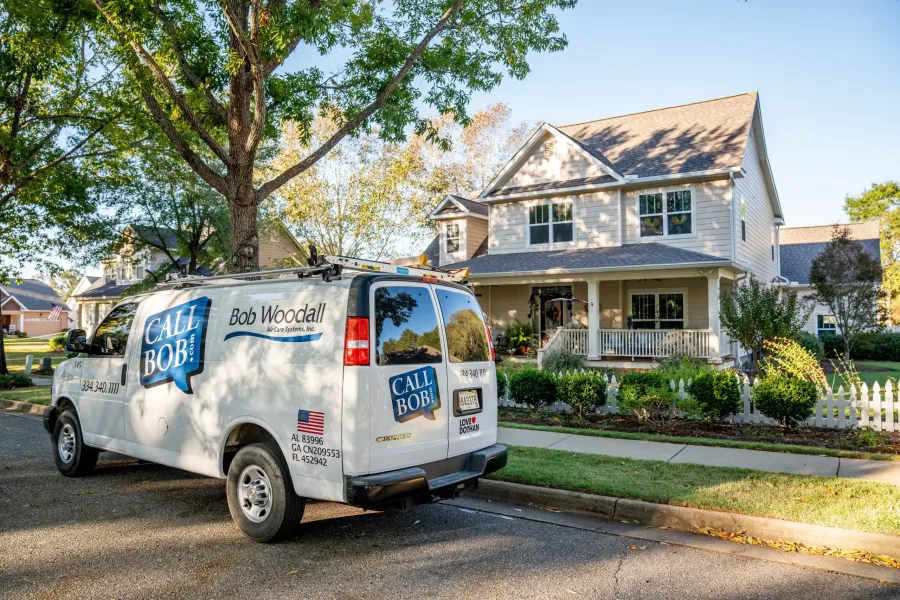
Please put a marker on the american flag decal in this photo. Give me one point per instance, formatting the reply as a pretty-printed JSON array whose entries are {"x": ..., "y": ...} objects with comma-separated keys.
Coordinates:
[{"x": 311, "y": 421}]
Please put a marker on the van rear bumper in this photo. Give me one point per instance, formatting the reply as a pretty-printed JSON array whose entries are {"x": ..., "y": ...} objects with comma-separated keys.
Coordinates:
[{"x": 425, "y": 482}]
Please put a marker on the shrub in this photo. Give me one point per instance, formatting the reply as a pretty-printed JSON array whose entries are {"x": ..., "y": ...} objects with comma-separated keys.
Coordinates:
[
  {"x": 58, "y": 343},
  {"x": 812, "y": 344},
  {"x": 560, "y": 360},
  {"x": 788, "y": 400},
  {"x": 883, "y": 346},
  {"x": 582, "y": 390},
  {"x": 502, "y": 383},
  {"x": 533, "y": 387},
  {"x": 679, "y": 367},
  {"x": 648, "y": 396},
  {"x": 717, "y": 393},
  {"x": 15, "y": 380},
  {"x": 788, "y": 358}
]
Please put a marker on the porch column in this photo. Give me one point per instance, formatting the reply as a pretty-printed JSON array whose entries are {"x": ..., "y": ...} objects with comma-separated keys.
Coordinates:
[
  {"x": 715, "y": 327},
  {"x": 593, "y": 317},
  {"x": 21, "y": 321}
]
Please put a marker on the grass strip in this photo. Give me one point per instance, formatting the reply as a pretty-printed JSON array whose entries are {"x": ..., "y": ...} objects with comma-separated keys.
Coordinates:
[
  {"x": 847, "y": 503},
  {"x": 39, "y": 394},
  {"x": 698, "y": 441}
]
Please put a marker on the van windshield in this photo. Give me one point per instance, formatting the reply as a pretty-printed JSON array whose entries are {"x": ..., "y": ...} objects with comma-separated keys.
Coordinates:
[{"x": 466, "y": 337}]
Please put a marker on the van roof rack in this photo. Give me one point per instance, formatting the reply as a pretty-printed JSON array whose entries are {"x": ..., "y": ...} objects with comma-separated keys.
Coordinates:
[{"x": 331, "y": 266}]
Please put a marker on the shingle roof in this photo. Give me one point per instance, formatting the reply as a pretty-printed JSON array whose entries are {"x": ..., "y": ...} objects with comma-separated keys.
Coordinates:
[
  {"x": 35, "y": 295},
  {"x": 800, "y": 245},
  {"x": 433, "y": 251},
  {"x": 107, "y": 290},
  {"x": 615, "y": 257},
  {"x": 552, "y": 185},
  {"x": 680, "y": 139},
  {"x": 472, "y": 206}
]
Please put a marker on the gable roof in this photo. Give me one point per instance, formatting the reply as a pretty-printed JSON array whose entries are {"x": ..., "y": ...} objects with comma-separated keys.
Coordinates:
[
  {"x": 457, "y": 206},
  {"x": 644, "y": 255},
  {"x": 798, "y": 246},
  {"x": 36, "y": 295},
  {"x": 690, "y": 139}
]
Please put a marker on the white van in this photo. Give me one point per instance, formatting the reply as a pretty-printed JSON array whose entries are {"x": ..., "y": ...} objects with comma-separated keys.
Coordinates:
[{"x": 377, "y": 390}]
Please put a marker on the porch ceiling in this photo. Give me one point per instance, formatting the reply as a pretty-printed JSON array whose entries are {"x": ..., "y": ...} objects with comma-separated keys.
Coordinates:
[{"x": 629, "y": 256}]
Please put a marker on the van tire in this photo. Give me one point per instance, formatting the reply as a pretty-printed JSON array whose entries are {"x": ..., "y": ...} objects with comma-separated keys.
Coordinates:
[
  {"x": 73, "y": 458},
  {"x": 281, "y": 515}
]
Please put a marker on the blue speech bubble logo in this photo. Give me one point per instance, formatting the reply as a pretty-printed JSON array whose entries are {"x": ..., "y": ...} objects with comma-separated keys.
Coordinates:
[
  {"x": 172, "y": 344},
  {"x": 414, "y": 394}
]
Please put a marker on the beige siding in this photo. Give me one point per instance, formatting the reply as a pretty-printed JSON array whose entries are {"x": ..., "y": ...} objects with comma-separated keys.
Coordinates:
[
  {"x": 476, "y": 231},
  {"x": 712, "y": 217},
  {"x": 595, "y": 217},
  {"x": 275, "y": 247},
  {"x": 756, "y": 252},
  {"x": 566, "y": 162}
]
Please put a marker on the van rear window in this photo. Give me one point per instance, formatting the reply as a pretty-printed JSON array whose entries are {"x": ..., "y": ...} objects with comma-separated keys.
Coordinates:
[
  {"x": 406, "y": 327},
  {"x": 466, "y": 337}
]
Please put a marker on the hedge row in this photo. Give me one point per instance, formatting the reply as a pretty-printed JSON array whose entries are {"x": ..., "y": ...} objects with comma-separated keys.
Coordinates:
[{"x": 868, "y": 346}]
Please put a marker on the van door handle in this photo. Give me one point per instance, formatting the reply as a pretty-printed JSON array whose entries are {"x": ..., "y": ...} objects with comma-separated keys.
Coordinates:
[{"x": 124, "y": 372}]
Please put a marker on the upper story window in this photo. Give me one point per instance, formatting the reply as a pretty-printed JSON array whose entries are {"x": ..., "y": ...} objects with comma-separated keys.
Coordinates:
[
  {"x": 550, "y": 222},
  {"x": 672, "y": 217},
  {"x": 452, "y": 238}
]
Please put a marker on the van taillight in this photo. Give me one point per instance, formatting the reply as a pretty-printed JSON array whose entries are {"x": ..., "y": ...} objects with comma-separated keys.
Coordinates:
[
  {"x": 490, "y": 340},
  {"x": 356, "y": 342}
]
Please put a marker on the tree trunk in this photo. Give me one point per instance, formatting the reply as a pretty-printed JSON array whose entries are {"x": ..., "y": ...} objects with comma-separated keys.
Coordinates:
[
  {"x": 244, "y": 232},
  {"x": 4, "y": 370}
]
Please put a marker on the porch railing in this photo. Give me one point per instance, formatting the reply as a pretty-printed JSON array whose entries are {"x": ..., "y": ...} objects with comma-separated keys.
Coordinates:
[
  {"x": 654, "y": 343},
  {"x": 573, "y": 340}
]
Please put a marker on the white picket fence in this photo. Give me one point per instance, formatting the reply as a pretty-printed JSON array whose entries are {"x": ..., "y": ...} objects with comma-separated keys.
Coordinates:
[{"x": 877, "y": 408}]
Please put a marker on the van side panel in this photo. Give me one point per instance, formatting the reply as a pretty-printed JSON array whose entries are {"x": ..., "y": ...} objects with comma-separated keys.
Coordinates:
[{"x": 357, "y": 422}]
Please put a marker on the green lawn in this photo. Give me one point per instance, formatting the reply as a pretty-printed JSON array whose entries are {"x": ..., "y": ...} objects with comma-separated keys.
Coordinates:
[
  {"x": 18, "y": 348},
  {"x": 869, "y": 378},
  {"x": 39, "y": 394},
  {"x": 697, "y": 441},
  {"x": 847, "y": 503}
]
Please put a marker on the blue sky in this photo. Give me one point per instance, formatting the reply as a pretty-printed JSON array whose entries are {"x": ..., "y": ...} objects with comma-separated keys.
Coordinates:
[{"x": 828, "y": 75}]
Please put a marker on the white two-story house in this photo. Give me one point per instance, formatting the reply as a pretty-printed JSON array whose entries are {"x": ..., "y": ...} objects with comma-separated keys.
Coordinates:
[{"x": 623, "y": 231}]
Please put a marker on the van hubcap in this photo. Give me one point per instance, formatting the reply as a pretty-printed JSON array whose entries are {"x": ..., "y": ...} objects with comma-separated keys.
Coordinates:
[
  {"x": 66, "y": 443},
  {"x": 254, "y": 493}
]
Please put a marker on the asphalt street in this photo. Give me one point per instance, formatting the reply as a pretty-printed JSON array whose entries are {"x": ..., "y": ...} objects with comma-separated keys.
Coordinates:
[{"x": 136, "y": 530}]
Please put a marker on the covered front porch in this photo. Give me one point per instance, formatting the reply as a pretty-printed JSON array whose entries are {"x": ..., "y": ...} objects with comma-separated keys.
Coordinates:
[{"x": 614, "y": 319}]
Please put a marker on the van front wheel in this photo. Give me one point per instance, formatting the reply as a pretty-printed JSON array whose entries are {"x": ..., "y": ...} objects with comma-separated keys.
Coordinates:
[
  {"x": 261, "y": 497},
  {"x": 73, "y": 458}
]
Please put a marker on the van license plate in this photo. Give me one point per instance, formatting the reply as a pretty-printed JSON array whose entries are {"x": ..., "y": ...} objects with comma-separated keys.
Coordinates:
[{"x": 467, "y": 401}]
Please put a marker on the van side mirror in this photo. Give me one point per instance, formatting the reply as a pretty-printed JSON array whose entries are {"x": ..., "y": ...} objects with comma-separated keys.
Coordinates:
[{"x": 76, "y": 341}]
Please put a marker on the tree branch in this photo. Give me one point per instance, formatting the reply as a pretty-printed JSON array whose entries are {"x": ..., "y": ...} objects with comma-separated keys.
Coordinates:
[{"x": 414, "y": 57}]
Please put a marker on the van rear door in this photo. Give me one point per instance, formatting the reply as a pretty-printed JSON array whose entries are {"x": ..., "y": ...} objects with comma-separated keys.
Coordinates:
[
  {"x": 410, "y": 403},
  {"x": 471, "y": 374}
]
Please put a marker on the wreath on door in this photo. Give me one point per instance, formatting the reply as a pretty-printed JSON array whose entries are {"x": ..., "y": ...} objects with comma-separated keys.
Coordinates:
[{"x": 552, "y": 312}]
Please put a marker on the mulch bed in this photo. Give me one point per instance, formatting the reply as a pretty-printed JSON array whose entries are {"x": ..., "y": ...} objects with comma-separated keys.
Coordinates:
[{"x": 840, "y": 439}]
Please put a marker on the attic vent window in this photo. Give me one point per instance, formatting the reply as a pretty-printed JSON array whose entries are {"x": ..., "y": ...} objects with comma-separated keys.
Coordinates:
[{"x": 549, "y": 149}]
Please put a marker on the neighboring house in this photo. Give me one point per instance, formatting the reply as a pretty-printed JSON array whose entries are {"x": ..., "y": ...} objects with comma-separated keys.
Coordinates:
[
  {"x": 126, "y": 269},
  {"x": 72, "y": 301},
  {"x": 34, "y": 307},
  {"x": 641, "y": 221},
  {"x": 800, "y": 245}
]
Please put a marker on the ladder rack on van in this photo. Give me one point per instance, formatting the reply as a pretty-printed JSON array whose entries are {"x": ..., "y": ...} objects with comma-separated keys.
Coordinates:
[{"x": 331, "y": 266}]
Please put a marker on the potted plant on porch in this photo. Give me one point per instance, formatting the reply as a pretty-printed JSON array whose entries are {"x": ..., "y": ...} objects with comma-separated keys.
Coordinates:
[{"x": 520, "y": 337}]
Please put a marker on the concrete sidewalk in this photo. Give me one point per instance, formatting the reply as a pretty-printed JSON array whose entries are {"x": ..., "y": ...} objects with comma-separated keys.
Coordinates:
[{"x": 778, "y": 462}]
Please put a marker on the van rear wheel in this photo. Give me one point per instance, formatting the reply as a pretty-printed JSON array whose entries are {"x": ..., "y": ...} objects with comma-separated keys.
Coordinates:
[
  {"x": 73, "y": 458},
  {"x": 261, "y": 497}
]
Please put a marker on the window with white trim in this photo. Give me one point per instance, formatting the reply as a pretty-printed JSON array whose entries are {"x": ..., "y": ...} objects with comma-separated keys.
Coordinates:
[
  {"x": 826, "y": 324},
  {"x": 550, "y": 222},
  {"x": 657, "y": 310},
  {"x": 672, "y": 217},
  {"x": 451, "y": 239}
]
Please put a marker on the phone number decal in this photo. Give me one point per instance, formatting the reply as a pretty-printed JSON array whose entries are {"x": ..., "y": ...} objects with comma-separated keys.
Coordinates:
[{"x": 99, "y": 387}]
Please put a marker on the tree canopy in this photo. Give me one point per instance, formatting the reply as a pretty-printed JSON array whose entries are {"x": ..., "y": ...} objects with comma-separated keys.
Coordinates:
[{"x": 218, "y": 77}]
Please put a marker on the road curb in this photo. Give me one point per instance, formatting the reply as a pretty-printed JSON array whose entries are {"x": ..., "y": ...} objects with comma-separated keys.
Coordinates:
[
  {"x": 687, "y": 519},
  {"x": 22, "y": 407}
]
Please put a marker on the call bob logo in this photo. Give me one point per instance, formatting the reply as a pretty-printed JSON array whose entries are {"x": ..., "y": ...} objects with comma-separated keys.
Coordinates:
[
  {"x": 414, "y": 394},
  {"x": 172, "y": 344}
]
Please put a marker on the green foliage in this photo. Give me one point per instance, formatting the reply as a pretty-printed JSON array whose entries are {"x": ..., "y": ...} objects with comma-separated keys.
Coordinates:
[
  {"x": 560, "y": 360},
  {"x": 680, "y": 367},
  {"x": 845, "y": 277},
  {"x": 756, "y": 312},
  {"x": 880, "y": 203},
  {"x": 787, "y": 358},
  {"x": 787, "y": 400},
  {"x": 582, "y": 390},
  {"x": 883, "y": 346},
  {"x": 717, "y": 393},
  {"x": 502, "y": 383},
  {"x": 812, "y": 344},
  {"x": 532, "y": 387},
  {"x": 520, "y": 334},
  {"x": 57, "y": 343},
  {"x": 15, "y": 380}
]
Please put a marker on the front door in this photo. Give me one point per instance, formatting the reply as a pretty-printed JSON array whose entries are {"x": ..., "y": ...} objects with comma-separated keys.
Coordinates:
[
  {"x": 104, "y": 375},
  {"x": 410, "y": 402}
]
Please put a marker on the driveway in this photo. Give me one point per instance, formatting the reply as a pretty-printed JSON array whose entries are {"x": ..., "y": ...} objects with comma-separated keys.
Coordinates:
[{"x": 136, "y": 530}]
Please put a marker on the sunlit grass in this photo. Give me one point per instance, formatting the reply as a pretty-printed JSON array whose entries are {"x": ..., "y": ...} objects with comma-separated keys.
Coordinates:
[
  {"x": 846, "y": 503},
  {"x": 39, "y": 394}
]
